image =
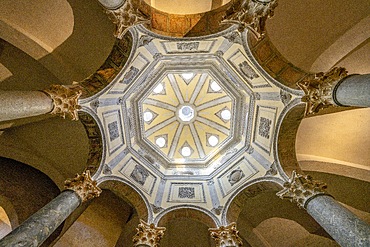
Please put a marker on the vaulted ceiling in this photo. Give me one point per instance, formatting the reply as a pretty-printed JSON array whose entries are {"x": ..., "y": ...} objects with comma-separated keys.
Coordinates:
[{"x": 46, "y": 43}]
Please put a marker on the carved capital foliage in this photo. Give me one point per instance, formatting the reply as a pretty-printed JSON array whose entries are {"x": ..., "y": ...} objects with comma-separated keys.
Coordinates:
[
  {"x": 319, "y": 90},
  {"x": 125, "y": 17},
  {"x": 226, "y": 236},
  {"x": 250, "y": 14},
  {"x": 84, "y": 186},
  {"x": 65, "y": 100},
  {"x": 301, "y": 189},
  {"x": 148, "y": 234}
]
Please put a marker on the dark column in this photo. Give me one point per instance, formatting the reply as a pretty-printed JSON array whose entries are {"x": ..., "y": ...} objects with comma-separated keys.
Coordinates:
[
  {"x": 335, "y": 88},
  {"x": 21, "y": 104},
  {"x": 345, "y": 227},
  {"x": 341, "y": 224},
  {"x": 36, "y": 229},
  {"x": 112, "y": 4},
  {"x": 353, "y": 90},
  {"x": 59, "y": 100}
]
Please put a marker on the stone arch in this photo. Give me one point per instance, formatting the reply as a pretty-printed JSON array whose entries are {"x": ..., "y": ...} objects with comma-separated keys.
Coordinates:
[
  {"x": 54, "y": 146},
  {"x": 9, "y": 210},
  {"x": 185, "y": 25},
  {"x": 285, "y": 232},
  {"x": 194, "y": 213},
  {"x": 235, "y": 204},
  {"x": 100, "y": 223},
  {"x": 5, "y": 225},
  {"x": 95, "y": 136},
  {"x": 193, "y": 222},
  {"x": 285, "y": 139},
  {"x": 126, "y": 192},
  {"x": 24, "y": 25},
  {"x": 116, "y": 60},
  {"x": 24, "y": 190},
  {"x": 271, "y": 60},
  {"x": 189, "y": 7}
]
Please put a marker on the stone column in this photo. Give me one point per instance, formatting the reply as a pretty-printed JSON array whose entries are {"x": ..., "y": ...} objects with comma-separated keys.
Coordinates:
[
  {"x": 353, "y": 90},
  {"x": 36, "y": 229},
  {"x": 148, "y": 235},
  {"x": 111, "y": 4},
  {"x": 59, "y": 100},
  {"x": 226, "y": 236},
  {"x": 335, "y": 88},
  {"x": 345, "y": 227},
  {"x": 21, "y": 104}
]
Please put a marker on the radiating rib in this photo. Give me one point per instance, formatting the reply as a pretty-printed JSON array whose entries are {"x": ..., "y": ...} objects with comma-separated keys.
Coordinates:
[
  {"x": 197, "y": 140},
  {"x": 175, "y": 140},
  {"x": 175, "y": 88},
  {"x": 214, "y": 125},
  {"x": 160, "y": 104},
  {"x": 218, "y": 101},
  {"x": 198, "y": 87},
  {"x": 159, "y": 126}
]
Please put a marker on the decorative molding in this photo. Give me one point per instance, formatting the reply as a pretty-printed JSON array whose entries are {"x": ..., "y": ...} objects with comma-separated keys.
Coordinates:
[
  {"x": 148, "y": 235},
  {"x": 247, "y": 70},
  {"x": 139, "y": 174},
  {"x": 156, "y": 209},
  {"x": 272, "y": 171},
  {"x": 96, "y": 139},
  {"x": 84, "y": 186},
  {"x": 285, "y": 97},
  {"x": 65, "y": 100},
  {"x": 234, "y": 37},
  {"x": 145, "y": 40},
  {"x": 125, "y": 17},
  {"x": 186, "y": 192},
  {"x": 188, "y": 46},
  {"x": 225, "y": 236},
  {"x": 319, "y": 90},
  {"x": 250, "y": 14},
  {"x": 235, "y": 176},
  {"x": 301, "y": 189},
  {"x": 264, "y": 127}
]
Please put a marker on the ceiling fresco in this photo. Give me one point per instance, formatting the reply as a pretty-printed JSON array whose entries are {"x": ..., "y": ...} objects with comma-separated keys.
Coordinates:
[{"x": 189, "y": 122}]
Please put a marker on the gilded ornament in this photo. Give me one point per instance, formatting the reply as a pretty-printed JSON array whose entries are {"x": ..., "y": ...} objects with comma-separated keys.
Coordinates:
[
  {"x": 301, "y": 189},
  {"x": 251, "y": 14},
  {"x": 226, "y": 236},
  {"x": 65, "y": 100},
  {"x": 84, "y": 186},
  {"x": 148, "y": 234},
  {"x": 319, "y": 90},
  {"x": 125, "y": 17}
]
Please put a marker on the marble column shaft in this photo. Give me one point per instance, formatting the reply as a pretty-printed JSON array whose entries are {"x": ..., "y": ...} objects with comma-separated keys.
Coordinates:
[
  {"x": 36, "y": 229},
  {"x": 345, "y": 227},
  {"x": 21, "y": 104},
  {"x": 112, "y": 4},
  {"x": 353, "y": 90}
]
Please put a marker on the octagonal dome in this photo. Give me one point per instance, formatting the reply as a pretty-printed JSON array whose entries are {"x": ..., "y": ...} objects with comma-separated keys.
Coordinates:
[
  {"x": 187, "y": 116},
  {"x": 190, "y": 121}
]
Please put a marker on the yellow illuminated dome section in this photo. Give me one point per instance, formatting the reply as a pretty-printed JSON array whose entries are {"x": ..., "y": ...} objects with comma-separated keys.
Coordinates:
[{"x": 186, "y": 116}]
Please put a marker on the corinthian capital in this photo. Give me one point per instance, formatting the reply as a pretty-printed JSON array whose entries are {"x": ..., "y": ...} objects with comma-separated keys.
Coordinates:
[
  {"x": 125, "y": 17},
  {"x": 250, "y": 14},
  {"x": 84, "y": 186},
  {"x": 319, "y": 90},
  {"x": 301, "y": 189},
  {"x": 148, "y": 234},
  {"x": 226, "y": 236},
  {"x": 65, "y": 100}
]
